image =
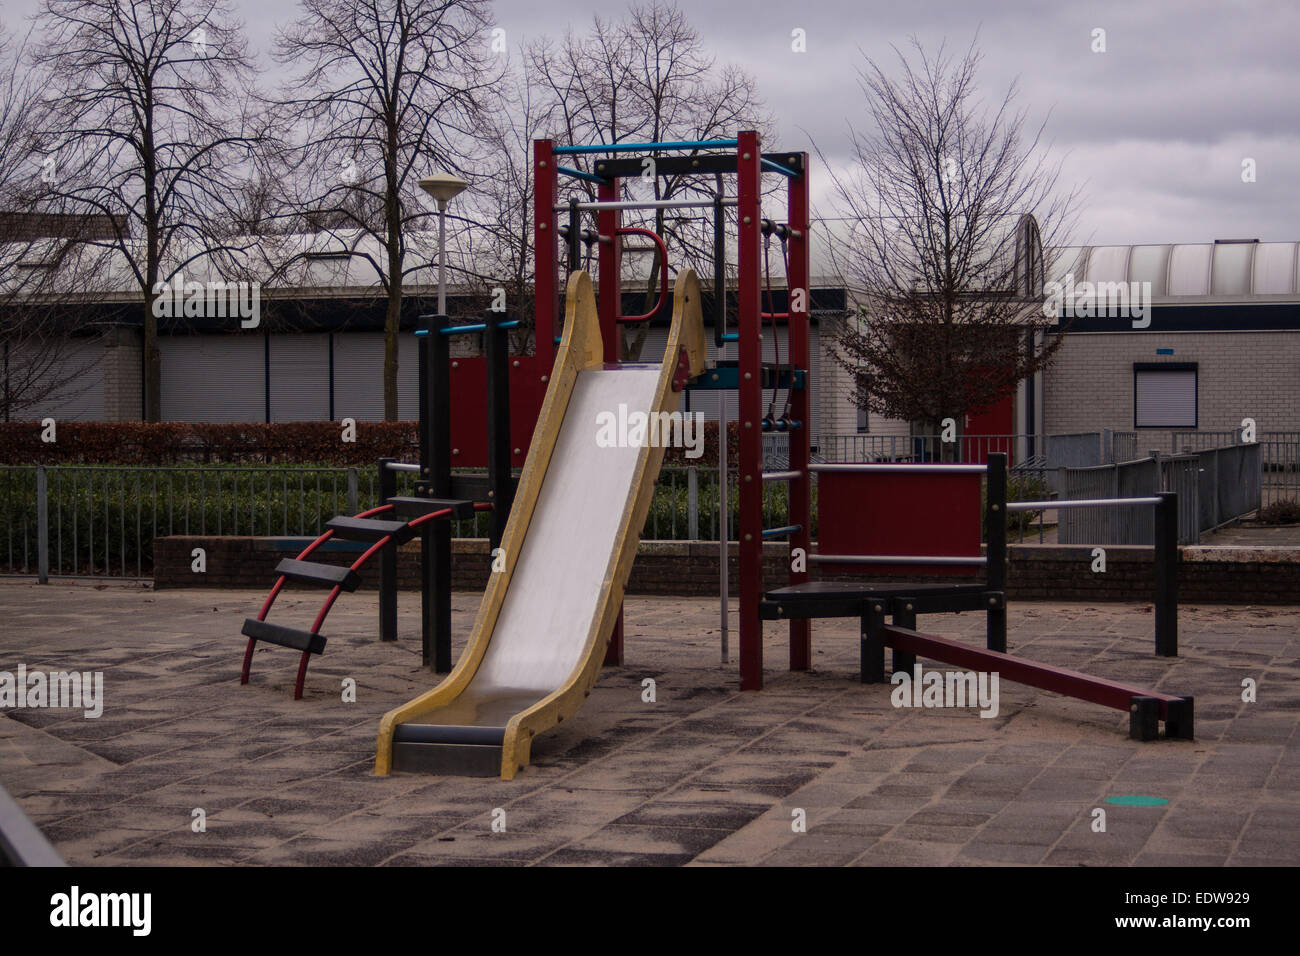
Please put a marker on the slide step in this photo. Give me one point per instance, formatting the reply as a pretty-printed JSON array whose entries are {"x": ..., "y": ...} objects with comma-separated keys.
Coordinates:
[
  {"x": 463, "y": 760},
  {"x": 283, "y": 636},
  {"x": 475, "y": 487},
  {"x": 416, "y": 507},
  {"x": 369, "y": 529},
  {"x": 325, "y": 575}
]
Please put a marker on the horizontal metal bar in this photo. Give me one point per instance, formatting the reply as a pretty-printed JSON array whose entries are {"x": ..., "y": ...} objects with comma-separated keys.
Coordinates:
[
  {"x": 785, "y": 529},
  {"x": 731, "y": 336},
  {"x": 579, "y": 174},
  {"x": 905, "y": 468},
  {"x": 1079, "y": 503},
  {"x": 465, "y": 329},
  {"x": 782, "y": 475},
  {"x": 402, "y": 466},
  {"x": 634, "y": 147},
  {"x": 644, "y": 204},
  {"x": 896, "y": 559},
  {"x": 778, "y": 168}
]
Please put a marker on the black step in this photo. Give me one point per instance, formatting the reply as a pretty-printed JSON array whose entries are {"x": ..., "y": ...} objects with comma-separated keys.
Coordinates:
[
  {"x": 369, "y": 529},
  {"x": 325, "y": 575},
  {"x": 417, "y": 507},
  {"x": 475, "y": 487},
  {"x": 462, "y": 760},
  {"x": 283, "y": 636}
]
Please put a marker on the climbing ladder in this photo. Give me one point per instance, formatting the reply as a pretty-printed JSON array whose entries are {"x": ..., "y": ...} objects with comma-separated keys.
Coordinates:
[{"x": 366, "y": 527}]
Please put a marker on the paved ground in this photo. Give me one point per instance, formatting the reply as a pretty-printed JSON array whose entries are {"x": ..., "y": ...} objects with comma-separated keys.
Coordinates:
[{"x": 704, "y": 775}]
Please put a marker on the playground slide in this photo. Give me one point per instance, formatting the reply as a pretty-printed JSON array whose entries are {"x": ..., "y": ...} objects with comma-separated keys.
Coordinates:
[{"x": 545, "y": 621}]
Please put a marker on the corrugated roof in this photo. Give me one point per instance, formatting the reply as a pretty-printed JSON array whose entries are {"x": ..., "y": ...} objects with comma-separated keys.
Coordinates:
[{"x": 1186, "y": 273}]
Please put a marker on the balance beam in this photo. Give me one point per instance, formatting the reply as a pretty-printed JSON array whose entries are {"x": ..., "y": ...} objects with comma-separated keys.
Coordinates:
[{"x": 1145, "y": 707}]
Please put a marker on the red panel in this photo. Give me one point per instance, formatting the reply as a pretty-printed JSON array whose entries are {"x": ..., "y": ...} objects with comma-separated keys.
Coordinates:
[
  {"x": 877, "y": 513},
  {"x": 469, "y": 408},
  {"x": 998, "y": 419}
]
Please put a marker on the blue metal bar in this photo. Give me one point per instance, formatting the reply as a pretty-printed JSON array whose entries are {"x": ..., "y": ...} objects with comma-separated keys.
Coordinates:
[
  {"x": 778, "y": 532},
  {"x": 579, "y": 174},
  {"x": 633, "y": 147},
  {"x": 778, "y": 168},
  {"x": 731, "y": 336},
  {"x": 477, "y": 327}
]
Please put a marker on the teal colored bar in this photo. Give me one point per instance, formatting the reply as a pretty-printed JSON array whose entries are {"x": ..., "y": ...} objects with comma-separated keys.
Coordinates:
[
  {"x": 731, "y": 336},
  {"x": 778, "y": 168},
  {"x": 633, "y": 147},
  {"x": 777, "y": 532},
  {"x": 479, "y": 327},
  {"x": 579, "y": 174}
]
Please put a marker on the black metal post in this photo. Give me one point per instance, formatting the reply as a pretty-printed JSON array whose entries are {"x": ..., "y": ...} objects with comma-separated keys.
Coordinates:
[
  {"x": 387, "y": 561},
  {"x": 995, "y": 520},
  {"x": 719, "y": 268},
  {"x": 872, "y": 663},
  {"x": 575, "y": 236},
  {"x": 904, "y": 616},
  {"x": 500, "y": 486},
  {"x": 435, "y": 473},
  {"x": 1166, "y": 573}
]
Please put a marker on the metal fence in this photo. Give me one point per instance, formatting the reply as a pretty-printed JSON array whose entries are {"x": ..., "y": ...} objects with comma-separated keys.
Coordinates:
[
  {"x": 101, "y": 521},
  {"x": 1279, "y": 458},
  {"x": 1214, "y": 486}
]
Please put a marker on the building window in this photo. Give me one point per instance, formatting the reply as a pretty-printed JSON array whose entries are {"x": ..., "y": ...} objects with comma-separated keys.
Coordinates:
[
  {"x": 1164, "y": 395},
  {"x": 863, "y": 422}
]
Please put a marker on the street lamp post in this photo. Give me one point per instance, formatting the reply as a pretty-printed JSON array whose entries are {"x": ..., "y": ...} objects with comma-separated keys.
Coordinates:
[
  {"x": 435, "y": 439},
  {"x": 443, "y": 187}
]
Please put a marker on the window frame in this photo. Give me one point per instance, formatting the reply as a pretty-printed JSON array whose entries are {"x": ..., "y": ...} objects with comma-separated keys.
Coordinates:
[{"x": 1193, "y": 367}]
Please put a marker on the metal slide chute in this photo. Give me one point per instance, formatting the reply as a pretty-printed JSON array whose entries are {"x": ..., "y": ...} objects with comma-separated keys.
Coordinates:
[{"x": 540, "y": 635}]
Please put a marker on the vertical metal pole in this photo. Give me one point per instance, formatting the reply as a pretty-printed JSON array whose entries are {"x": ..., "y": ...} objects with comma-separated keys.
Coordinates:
[
  {"x": 995, "y": 519},
  {"x": 500, "y": 487},
  {"x": 1166, "y": 574},
  {"x": 42, "y": 526},
  {"x": 798, "y": 335},
  {"x": 352, "y": 491},
  {"x": 692, "y": 505},
  {"x": 387, "y": 560},
  {"x": 545, "y": 255},
  {"x": 435, "y": 470},
  {"x": 609, "y": 295},
  {"x": 724, "y": 518},
  {"x": 749, "y": 215},
  {"x": 719, "y": 268}
]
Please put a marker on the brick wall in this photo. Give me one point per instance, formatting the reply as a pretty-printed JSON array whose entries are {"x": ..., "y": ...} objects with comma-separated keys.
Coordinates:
[
  {"x": 122, "y": 384},
  {"x": 1239, "y": 375},
  {"x": 1035, "y": 572}
]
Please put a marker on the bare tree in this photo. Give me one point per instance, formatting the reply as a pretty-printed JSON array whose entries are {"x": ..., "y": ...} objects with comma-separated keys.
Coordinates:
[
  {"x": 41, "y": 262},
  {"x": 953, "y": 212},
  {"x": 387, "y": 91},
  {"x": 648, "y": 77},
  {"x": 150, "y": 123}
]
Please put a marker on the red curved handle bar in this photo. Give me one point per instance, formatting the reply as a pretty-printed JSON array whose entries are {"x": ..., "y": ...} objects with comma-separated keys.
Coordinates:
[{"x": 663, "y": 273}]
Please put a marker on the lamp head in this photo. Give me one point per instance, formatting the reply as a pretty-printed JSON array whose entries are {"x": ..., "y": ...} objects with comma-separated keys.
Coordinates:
[{"x": 443, "y": 187}]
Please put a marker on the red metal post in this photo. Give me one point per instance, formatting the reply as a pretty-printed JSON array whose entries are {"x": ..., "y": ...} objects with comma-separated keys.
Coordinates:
[
  {"x": 749, "y": 352},
  {"x": 798, "y": 283},
  {"x": 609, "y": 303},
  {"x": 545, "y": 251}
]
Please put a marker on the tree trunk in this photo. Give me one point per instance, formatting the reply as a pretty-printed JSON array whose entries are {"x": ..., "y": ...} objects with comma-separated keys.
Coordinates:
[{"x": 392, "y": 321}]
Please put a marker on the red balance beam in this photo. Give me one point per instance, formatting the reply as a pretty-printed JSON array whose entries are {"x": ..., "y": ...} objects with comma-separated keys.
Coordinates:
[{"x": 1097, "y": 690}]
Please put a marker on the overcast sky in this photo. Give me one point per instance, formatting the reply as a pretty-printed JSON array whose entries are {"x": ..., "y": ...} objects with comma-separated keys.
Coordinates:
[{"x": 1155, "y": 129}]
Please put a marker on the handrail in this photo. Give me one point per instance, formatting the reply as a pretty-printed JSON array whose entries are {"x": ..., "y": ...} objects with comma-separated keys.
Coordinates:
[
  {"x": 1079, "y": 503},
  {"x": 663, "y": 273}
]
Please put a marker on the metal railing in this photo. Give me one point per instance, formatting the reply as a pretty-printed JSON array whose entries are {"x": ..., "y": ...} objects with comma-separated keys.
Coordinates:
[{"x": 1279, "y": 458}]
